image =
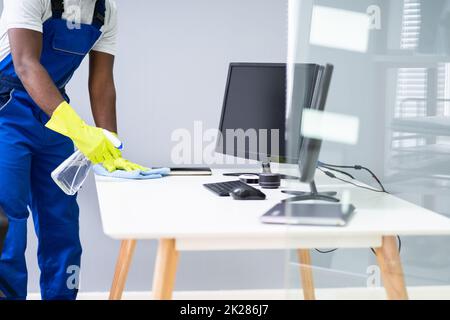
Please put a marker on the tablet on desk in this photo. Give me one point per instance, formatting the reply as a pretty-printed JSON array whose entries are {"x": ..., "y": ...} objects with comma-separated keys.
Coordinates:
[
  {"x": 184, "y": 171},
  {"x": 315, "y": 214}
]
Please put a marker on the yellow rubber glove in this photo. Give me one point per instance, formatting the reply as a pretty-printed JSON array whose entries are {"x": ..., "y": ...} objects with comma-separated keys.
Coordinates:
[
  {"x": 89, "y": 140},
  {"x": 122, "y": 164}
]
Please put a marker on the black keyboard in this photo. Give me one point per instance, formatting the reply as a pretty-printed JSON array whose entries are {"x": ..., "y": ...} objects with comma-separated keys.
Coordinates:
[{"x": 223, "y": 189}]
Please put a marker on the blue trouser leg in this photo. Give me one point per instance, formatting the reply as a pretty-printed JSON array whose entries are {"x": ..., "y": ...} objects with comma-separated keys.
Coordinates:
[
  {"x": 29, "y": 152},
  {"x": 55, "y": 218},
  {"x": 14, "y": 195},
  {"x": 15, "y": 164}
]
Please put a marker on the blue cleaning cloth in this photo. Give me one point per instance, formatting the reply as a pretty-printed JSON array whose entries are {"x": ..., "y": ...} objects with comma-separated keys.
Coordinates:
[{"x": 133, "y": 175}]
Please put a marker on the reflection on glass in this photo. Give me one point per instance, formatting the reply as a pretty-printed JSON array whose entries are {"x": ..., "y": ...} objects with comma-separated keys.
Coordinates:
[
  {"x": 411, "y": 22},
  {"x": 352, "y": 28},
  {"x": 420, "y": 127},
  {"x": 396, "y": 81}
]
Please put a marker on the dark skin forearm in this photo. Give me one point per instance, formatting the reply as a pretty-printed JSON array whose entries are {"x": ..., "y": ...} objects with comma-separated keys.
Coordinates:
[
  {"x": 102, "y": 90},
  {"x": 26, "y": 47}
]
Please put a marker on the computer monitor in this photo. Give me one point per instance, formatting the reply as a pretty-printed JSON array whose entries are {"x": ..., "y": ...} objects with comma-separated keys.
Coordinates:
[
  {"x": 310, "y": 148},
  {"x": 253, "y": 121}
]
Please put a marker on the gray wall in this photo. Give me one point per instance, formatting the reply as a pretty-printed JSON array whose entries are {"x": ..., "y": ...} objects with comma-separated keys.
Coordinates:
[{"x": 170, "y": 71}]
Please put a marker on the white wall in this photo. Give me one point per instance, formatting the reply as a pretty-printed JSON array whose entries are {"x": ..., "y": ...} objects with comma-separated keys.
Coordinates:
[{"x": 171, "y": 70}]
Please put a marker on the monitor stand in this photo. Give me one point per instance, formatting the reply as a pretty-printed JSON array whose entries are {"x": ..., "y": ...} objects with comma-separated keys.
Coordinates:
[
  {"x": 313, "y": 195},
  {"x": 265, "y": 169}
]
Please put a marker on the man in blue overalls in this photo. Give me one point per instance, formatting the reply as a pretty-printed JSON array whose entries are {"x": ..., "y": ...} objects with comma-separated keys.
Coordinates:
[{"x": 40, "y": 49}]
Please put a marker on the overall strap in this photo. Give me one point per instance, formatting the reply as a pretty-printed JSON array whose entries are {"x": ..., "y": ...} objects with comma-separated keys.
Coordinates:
[
  {"x": 57, "y": 9},
  {"x": 99, "y": 14}
]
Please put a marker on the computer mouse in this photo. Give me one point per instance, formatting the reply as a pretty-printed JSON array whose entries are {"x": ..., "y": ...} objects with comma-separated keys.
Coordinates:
[{"x": 246, "y": 194}]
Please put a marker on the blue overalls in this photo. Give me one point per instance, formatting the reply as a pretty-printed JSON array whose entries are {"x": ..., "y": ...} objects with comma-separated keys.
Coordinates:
[{"x": 29, "y": 152}]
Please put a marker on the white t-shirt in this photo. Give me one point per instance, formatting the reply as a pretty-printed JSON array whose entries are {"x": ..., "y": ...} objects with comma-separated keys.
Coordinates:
[{"x": 31, "y": 14}]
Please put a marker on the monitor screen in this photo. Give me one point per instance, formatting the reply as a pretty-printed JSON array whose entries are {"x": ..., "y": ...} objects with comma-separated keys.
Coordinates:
[{"x": 253, "y": 122}]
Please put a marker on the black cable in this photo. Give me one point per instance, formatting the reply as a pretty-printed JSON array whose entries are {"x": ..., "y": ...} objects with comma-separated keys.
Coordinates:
[
  {"x": 333, "y": 176},
  {"x": 329, "y": 251},
  {"x": 355, "y": 167},
  {"x": 340, "y": 171},
  {"x": 376, "y": 178},
  {"x": 333, "y": 167}
]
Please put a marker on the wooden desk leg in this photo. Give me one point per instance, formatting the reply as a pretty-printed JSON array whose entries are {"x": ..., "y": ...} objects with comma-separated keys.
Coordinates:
[
  {"x": 391, "y": 269},
  {"x": 165, "y": 270},
  {"x": 122, "y": 266},
  {"x": 306, "y": 273}
]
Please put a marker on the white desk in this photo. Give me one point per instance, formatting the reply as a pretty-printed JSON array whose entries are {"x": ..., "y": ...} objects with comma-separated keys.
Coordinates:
[{"x": 183, "y": 216}]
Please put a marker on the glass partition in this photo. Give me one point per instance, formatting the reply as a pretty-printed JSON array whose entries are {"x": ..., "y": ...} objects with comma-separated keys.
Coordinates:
[{"x": 390, "y": 100}]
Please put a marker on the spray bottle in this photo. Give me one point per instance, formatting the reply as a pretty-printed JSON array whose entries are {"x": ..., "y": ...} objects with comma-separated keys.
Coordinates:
[{"x": 71, "y": 174}]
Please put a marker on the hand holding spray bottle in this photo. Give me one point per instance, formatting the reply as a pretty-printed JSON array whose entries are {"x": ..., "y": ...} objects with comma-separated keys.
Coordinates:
[{"x": 72, "y": 173}]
